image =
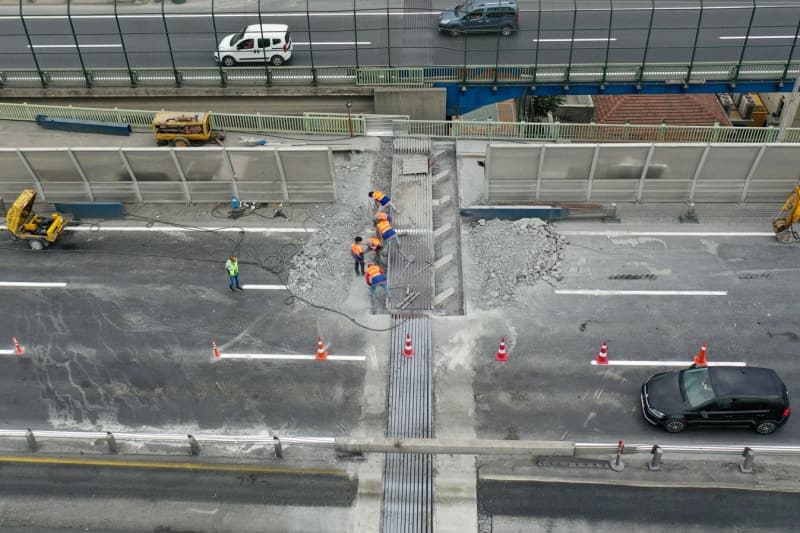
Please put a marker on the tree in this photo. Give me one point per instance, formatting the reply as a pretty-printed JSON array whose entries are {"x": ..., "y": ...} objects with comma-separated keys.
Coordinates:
[{"x": 535, "y": 108}]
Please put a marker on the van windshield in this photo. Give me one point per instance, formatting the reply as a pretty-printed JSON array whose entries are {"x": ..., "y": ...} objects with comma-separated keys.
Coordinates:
[
  {"x": 463, "y": 8},
  {"x": 237, "y": 37}
]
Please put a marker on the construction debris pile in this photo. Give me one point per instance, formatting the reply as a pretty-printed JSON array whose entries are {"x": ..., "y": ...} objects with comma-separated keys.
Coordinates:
[{"x": 508, "y": 254}]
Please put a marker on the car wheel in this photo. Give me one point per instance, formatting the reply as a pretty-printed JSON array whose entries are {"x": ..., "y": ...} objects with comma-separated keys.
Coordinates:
[
  {"x": 228, "y": 61},
  {"x": 765, "y": 428},
  {"x": 506, "y": 30},
  {"x": 675, "y": 426},
  {"x": 276, "y": 61},
  {"x": 455, "y": 33}
]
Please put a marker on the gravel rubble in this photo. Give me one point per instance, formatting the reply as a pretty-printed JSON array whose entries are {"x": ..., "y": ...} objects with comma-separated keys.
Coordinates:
[{"x": 509, "y": 254}]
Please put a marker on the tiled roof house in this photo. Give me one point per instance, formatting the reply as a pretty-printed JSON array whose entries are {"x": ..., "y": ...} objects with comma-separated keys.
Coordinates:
[{"x": 674, "y": 109}]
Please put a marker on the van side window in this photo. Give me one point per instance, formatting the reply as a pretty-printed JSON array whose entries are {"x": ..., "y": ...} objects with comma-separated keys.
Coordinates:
[
  {"x": 245, "y": 45},
  {"x": 276, "y": 42},
  {"x": 499, "y": 12},
  {"x": 263, "y": 43}
]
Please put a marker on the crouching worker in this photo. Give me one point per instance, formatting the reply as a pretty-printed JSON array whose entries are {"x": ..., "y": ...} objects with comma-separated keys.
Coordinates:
[{"x": 375, "y": 278}]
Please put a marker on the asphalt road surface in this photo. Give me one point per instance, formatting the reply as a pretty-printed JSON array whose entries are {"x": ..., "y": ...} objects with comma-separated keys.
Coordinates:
[
  {"x": 550, "y": 33},
  {"x": 584, "y": 508},
  {"x": 128, "y": 341},
  {"x": 150, "y": 496}
]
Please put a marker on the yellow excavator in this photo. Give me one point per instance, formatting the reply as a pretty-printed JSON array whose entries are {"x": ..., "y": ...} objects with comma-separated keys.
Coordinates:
[
  {"x": 782, "y": 225},
  {"x": 40, "y": 232}
]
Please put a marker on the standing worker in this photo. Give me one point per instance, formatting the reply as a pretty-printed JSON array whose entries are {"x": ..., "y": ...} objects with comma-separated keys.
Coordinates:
[
  {"x": 232, "y": 267},
  {"x": 380, "y": 215},
  {"x": 376, "y": 247},
  {"x": 357, "y": 251},
  {"x": 383, "y": 201},
  {"x": 375, "y": 278}
]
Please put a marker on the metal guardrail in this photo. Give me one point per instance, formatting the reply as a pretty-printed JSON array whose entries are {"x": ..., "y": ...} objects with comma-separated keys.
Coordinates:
[
  {"x": 341, "y": 124},
  {"x": 194, "y": 441},
  {"x": 412, "y": 76}
]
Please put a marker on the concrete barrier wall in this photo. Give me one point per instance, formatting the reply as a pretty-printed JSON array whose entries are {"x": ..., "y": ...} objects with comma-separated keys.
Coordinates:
[
  {"x": 418, "y": 104},
  {"x": 517, "y": 173},
  {"x": 169, "y": 175}
]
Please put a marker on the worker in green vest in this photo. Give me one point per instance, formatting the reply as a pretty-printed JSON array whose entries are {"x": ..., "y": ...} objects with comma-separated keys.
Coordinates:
[{"x": 232, "y": 268}]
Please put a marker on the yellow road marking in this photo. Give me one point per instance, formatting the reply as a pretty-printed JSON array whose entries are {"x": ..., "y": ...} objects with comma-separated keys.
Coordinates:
[{"x": 172, "y": 466}]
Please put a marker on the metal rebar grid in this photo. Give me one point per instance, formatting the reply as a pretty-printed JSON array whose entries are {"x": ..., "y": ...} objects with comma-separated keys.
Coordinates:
[{"x": 408, "y": 480}]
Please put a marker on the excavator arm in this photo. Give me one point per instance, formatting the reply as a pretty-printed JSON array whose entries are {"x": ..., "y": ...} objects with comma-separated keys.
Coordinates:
[{"x": 789, "y": 215}]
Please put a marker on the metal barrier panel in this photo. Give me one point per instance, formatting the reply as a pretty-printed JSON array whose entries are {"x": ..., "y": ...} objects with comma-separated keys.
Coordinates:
[{"x": 640, "y": 172}]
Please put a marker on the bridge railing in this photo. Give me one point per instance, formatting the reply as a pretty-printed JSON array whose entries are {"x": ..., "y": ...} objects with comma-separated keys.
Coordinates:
[{"x": 342, "y": 124}]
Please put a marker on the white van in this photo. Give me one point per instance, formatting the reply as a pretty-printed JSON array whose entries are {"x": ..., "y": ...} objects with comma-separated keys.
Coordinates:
[{"x": 256, "y": 43}]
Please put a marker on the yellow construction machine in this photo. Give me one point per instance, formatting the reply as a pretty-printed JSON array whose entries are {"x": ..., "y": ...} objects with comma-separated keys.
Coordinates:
[
  {"x": 23, "y": 224},
  {"x": 184, "y": 129},
  {"x": 789, "y": 215}
]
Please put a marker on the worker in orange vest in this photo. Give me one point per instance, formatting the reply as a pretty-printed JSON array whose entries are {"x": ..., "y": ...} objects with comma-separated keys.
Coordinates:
[
  {"x": 375, "y": 278},
  {"x": 379, "y": 216},
  {"x": 383, "y": 229},
  {"x": 375, "y": 245},
  {"x": 357, "y": 251},
  {"x": 382, "y": 200}
]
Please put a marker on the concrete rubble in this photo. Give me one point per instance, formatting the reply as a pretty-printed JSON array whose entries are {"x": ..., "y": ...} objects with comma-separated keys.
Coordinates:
[{"x": 509, "y": 254}]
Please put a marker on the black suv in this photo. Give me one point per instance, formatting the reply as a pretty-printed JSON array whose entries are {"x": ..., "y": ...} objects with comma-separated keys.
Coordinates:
[{"x": 717, "y": 396}]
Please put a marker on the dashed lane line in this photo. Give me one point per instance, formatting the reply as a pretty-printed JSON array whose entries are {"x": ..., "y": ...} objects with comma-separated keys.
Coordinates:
[
  {"x": 681, "y": 364},
  {"x": 634, "y": 233},
  {"x": 605, "y": 292},
  {"x": 35, "y": 284}
]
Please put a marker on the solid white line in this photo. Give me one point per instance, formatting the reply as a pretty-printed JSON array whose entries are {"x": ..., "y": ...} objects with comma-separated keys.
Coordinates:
[
  {"x": 31, "y": 284},
  {"x": 225, "y": 15},
  {"x": 321, "y": 43},
  {"x": 73, "y": 46},
  {"x": 277, "y": 356},
  {"x": 743, "y": 37},
  {"x": 265, "y": 287},
  {"x": 667, "y": 363},
  {"x": 603, "y": 292},
  {"x": 8, "y": 352},
  {"x": 577, "y": 40},
  {"x": 92, "y": 227},
  {"x": 618, "y": 233}
]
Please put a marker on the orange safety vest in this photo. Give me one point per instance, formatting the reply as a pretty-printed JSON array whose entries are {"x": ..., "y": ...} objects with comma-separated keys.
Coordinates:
[
  {"x": 357, "y": 250},
  {"x": 372, "y": 271},
  {"x": 377, "y": 196},
  {"x": 384, "y": 226},
  {"x": 373, "y": 243}
]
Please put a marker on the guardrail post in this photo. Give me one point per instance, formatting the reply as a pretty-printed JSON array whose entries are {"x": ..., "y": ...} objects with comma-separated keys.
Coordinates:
[
  {"x": 193, "y": 446},
  {"x": 746, "y": 465},
  {"x": 655, "y": 458},
  {"x": 32, "y": 444},
  {"x": 616, "y": 464},
  {"x": 112, "y": 443},
  {"x": 276, "y": 443}
]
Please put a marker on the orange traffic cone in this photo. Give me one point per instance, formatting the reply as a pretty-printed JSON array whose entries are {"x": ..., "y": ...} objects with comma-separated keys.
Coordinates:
[
  {"x": 20, "y": 350},
  {"x": 501, "y": 354},
  {"x": 322, "y": 353},
  {"x": 217, "y": 355},
  {"x": 700, "y": 358},
  {"x": 602, "y": 356},
  {"x": 408, "y": 350}
]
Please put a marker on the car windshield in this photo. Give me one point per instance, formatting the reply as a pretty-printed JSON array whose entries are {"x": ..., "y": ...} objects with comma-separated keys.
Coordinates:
[{"x": 696, "y": 387}]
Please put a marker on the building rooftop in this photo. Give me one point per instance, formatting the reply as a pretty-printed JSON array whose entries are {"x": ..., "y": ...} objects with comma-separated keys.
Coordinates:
[{"x": 674, "y": 109}]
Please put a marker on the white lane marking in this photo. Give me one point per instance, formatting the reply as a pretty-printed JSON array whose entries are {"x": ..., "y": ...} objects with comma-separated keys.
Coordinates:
[
  {"x": 667, "y": 363},
  {"x": 576, "y": 40},
  {"x": 279, "y": 356},
  {"x": 604, "y": 292},
  {"x": 323, "y": 43},
  {"x": 264, "y": 287},
  {"x": 90, "y": 227},
  {"x": 73, "y": 46},
  {"x": 633, "y": 233},
  {"x": 31, "y": 284},
  {"x": 393, "y": 13},
  {"x": 743, "y": 37},
  {"x": 9, "y": 352}
]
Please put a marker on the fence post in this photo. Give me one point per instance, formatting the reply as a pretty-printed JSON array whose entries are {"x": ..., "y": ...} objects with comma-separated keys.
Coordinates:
[
  {"x": 746, "y": 465},
  {"x": 112, "y": 443},
  {"x": 715, "y": 132},
  {"x": 32, "y": 444},
  {"x": 194, "y": 448},
  {"x": 655, "y": 458},
  {"x": 616, "y": 464},
  {"x": 278, "y": 447}
]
